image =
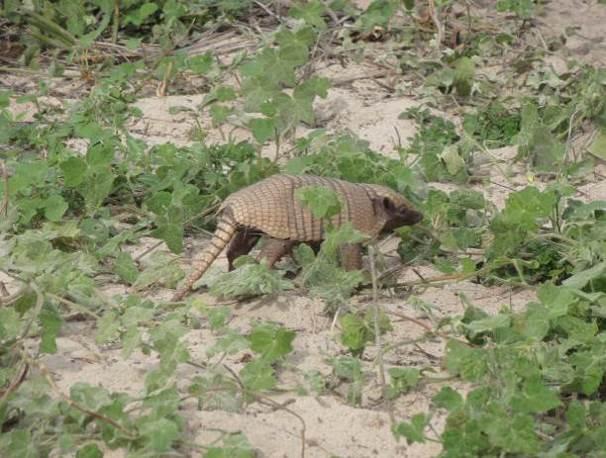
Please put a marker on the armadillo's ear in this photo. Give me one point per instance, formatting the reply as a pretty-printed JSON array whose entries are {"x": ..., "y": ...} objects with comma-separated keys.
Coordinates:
[
  {"x": 384, "y": 205},
  {"x": 389, "y": 205}
]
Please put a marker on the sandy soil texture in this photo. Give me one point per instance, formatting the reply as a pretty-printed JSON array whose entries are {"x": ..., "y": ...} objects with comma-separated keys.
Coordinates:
[{"x": 358, "y": 102}]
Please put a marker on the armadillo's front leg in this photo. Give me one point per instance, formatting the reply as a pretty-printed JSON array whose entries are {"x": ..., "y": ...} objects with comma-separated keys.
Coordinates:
[
  {"x": 351, "y": 256},
  {"x": 316, "y": 246},
  {"x": 274, "y": 250},
  {"x": 241, "y": 244}
]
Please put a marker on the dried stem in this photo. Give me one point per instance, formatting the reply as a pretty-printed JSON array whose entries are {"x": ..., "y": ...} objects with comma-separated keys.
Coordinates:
[
  {"x": 427, "y": 328},
  {"x": 436, "y": 21},
  {"x": 116, "y": 21},
  {"x": 378, "y": 340},
  {"x": 5, "y": 195},
  {"x": 17, "y": 380},
  {"x": 283, "y": 406},
  {"x": 274, "y": 404}
]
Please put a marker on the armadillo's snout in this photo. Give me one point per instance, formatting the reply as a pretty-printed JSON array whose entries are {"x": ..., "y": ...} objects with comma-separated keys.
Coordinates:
[{"x": 412, "y": 216}]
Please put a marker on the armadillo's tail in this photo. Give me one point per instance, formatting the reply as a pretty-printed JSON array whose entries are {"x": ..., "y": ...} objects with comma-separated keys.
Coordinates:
[{"x": 226, "y": 228}]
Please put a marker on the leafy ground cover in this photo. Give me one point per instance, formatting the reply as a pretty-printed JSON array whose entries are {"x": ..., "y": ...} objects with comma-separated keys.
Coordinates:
[{"x": 475, "y": 333}]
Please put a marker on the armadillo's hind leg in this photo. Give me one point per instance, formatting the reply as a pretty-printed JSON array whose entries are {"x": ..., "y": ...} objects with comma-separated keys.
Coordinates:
[
  {"x": 351, "y": 256},
  {"x": 241, "y": 244},
  {"x": 274, "y": 250}
]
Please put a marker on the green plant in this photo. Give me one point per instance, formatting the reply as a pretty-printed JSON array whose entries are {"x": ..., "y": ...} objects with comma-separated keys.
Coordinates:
[
  {"x": 524, "y": 9},
  {"x": 526, "y": 371},
  {"x": 358, "y": 329},
  {"x": 91, "y": 218},
  {"x": 440, "y": 154}
]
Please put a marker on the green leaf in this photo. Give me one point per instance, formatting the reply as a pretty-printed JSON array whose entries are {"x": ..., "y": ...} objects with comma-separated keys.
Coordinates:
[
  {"x": 20, "y": 444},
  {"x": 272, "y": 342},
  {"x": 413, "y": 431},
  {"x": 100, "y": 156},
  {"x": 130, "y": 341},
  {"x": 137, "y": 311},
  {"x": 97, "y": 187},
  {"x": 74, "y": 170},
  {"x": 171, "y": 233},
  {"x": 27, "y": 174},
  {"x": 525, "y": 208},
  {"x": 348, "y": 368},
  {"x": 159, "y": 433},
  {"x": 535, "y": 397},
  {"x": 220, "y": 113},
  {"x": 5, "y": 99},
  {"x": 403, "y": 379},
  {"x": 200, "y": 64},
  {"x": 249, "y": 279},
  {"x": 547, "y": 152},
  {"x": 580, "y": 279},
  {"x": 451, "y": 158},
  {"x": 490, "y": 324},
  {"x": 133, "y": 43},
  {"x": 55, "y": 207},
  {"x": 354, "y": 332},
  {"x": 126, "y": 268},
  {"x": 258, "y": 376},
  {"x": 556, "y": 299},
  {"x": 225, "y": 93},
  {"x": 234, "y": 446},
  {"x": 160, "y": 269},
  {"x": 174, "y": 10},
  {"x": 139, "y": 16},
  {"x": 262, "y": 129},
  {"x": 218, "y": 317},
  {"x": 29, "y": 209},
  {"x": 312, "y": 87},
  {"x": 448, "y": 399},
  {"x": 160, "y": 202},
  {"x": 537, "y": 322},
  {"x": 463, "y": 76},
  {"x": 598, "y": 146},
  {"x": 166, "y": 339},
  {"x": 322, "y": 201},
  {"x": 259, "y": 85},
  {"x": 10, "y": 321},
  {"x": 589, "y": 371},
  {"x": 89, "y": 451},
  {"x": 51, "y": 322},
  {"x": 575, "y": 415},
  {"x": 379, "y": 13},
  {"x": 231, "y": 343},
  {"x": 514, "y": 434},
  {"x": 107, "y": 327},
  {"x": 468, "y": 362},
  {"x": 293, "y": 48},
  {"x": 311, "y": 13},
  {"x": 523, "y": 8}
]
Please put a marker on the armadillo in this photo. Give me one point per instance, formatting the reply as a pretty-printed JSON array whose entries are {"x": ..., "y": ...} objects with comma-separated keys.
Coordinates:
[{"x": 270, "y": 208}]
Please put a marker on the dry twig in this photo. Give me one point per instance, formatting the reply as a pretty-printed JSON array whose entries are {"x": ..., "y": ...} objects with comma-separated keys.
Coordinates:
[
  {"x": 433, "y": 13},
  {"x": 5, "y": 196}
]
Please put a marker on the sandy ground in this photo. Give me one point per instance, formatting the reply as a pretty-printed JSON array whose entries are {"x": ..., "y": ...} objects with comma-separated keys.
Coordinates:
[{"x": 332, "y": 427}]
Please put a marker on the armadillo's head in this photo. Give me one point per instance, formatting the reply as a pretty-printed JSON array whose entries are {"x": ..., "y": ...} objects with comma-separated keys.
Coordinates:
[{"x": 397, "y": 209}]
